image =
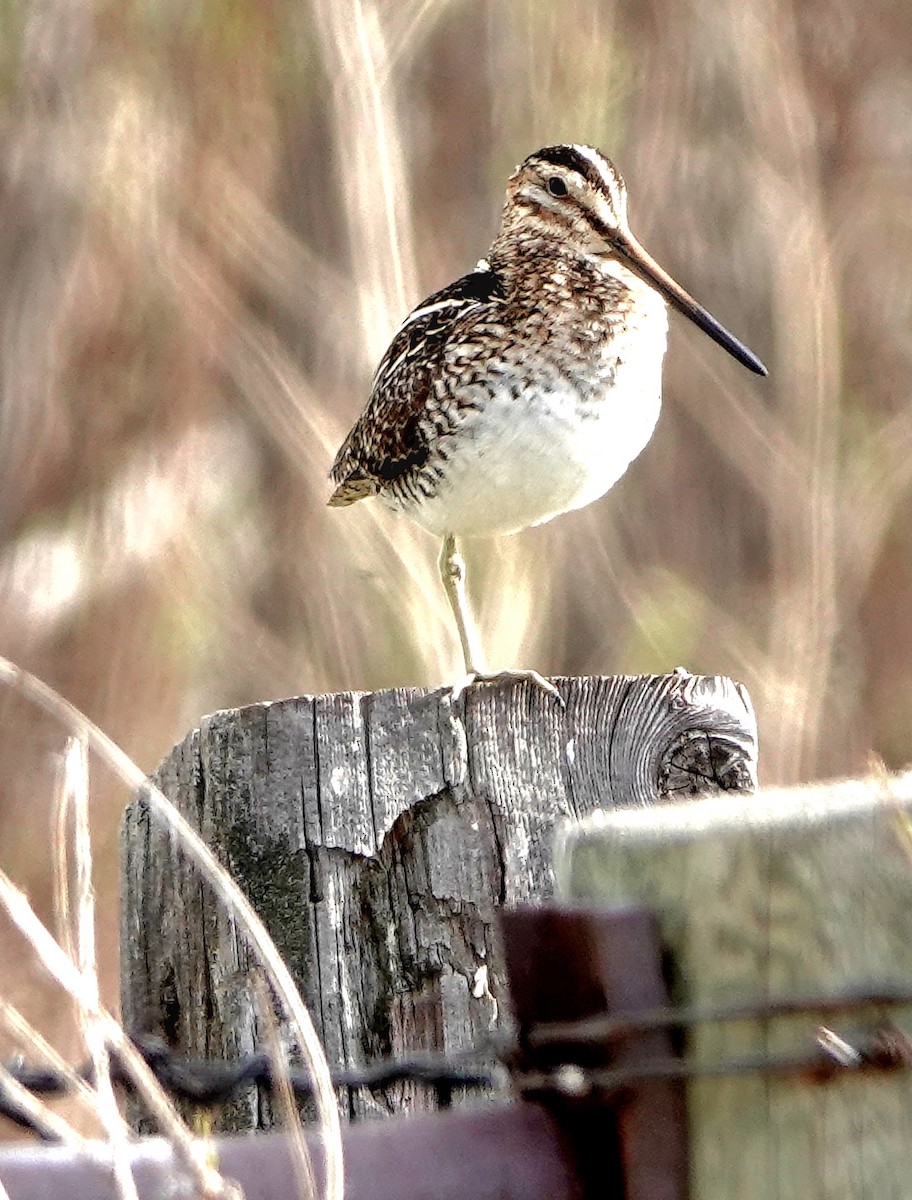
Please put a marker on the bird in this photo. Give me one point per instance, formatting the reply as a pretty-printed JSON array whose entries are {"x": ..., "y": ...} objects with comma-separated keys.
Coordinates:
[{"x": 526, "y": 388}]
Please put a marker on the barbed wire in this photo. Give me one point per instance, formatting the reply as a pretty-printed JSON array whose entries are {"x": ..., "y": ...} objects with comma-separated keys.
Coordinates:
[
  {"x": 608, "y": 1027},
  {"x": 207, "y": 1084},
  {"x": 504, "y": 1062},
  {"x": 886, "y": 1049}
]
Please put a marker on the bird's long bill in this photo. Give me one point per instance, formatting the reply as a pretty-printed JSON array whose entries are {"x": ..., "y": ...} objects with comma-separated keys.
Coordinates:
[{"x": 632, "y": 254}]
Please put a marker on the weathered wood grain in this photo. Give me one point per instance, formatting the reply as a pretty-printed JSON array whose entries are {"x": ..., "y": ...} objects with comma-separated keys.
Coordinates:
[
  {"x": 790, "y": 894},
  {"x": 377, "y": 833}
]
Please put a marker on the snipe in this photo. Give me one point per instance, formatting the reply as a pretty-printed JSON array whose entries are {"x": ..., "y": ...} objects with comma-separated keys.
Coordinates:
[{"x": 526, "y": 388}]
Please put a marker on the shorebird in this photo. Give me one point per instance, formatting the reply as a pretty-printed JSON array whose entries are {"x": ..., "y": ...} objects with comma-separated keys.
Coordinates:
[{"x": 526, "y": 388}]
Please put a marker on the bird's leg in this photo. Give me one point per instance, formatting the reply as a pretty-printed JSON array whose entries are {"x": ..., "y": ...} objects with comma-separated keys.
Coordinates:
[{"x": 453, "y": 573}]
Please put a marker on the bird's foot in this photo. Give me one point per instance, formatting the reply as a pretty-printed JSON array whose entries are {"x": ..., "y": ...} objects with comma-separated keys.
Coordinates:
[{"x": 512, "y": 675}]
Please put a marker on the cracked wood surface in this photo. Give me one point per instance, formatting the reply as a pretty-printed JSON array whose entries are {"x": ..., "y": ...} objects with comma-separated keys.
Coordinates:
[{"x": 376, "y": 833}]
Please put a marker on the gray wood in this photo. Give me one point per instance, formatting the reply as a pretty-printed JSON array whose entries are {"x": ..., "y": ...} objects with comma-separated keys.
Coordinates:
[
  {"x": 791, "y": 893},
  {"x": 376, "y": 835}
]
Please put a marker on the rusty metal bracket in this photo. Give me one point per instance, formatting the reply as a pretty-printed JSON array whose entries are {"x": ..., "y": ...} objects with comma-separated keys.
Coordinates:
[{"x": 568, "y": 964}]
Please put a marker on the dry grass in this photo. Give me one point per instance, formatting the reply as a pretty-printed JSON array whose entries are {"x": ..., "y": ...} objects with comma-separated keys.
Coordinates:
[
  {"x": 213, "y": 223},
  {"x": 73, "y": 966}
]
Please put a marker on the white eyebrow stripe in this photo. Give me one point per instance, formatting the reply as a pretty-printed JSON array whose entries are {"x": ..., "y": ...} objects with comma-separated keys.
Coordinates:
[{"x": 598, "y": 162}]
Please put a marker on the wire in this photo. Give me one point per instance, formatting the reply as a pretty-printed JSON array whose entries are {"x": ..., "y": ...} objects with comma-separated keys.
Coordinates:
[{"x": 206, "y": 1084}]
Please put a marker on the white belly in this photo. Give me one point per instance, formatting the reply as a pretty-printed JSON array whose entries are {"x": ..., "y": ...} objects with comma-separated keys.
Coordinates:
[{"x": 520, "y": 462}]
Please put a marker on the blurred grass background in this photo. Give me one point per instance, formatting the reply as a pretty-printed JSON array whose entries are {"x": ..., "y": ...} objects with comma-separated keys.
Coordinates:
[{"x": 214, "y": 214}]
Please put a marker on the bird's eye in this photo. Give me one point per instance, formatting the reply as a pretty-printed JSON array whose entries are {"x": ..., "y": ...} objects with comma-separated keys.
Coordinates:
[{"x": 556, "y": 186}]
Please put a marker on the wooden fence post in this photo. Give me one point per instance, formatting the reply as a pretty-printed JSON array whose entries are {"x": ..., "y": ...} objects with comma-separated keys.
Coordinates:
[
  {"x": 376, "y": 835},
  {"x": 792, "y": 895}
]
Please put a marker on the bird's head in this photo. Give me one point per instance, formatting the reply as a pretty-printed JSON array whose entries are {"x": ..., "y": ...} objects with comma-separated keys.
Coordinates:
[{"x": 575, "y": 195}]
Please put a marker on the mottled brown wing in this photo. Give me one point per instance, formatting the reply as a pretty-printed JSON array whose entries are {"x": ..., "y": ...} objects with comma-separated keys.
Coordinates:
[{"x": 390, "y": 438}]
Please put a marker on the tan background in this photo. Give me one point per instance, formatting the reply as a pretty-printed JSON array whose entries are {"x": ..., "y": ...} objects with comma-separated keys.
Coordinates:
[{"x": 213, "y": 215}]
